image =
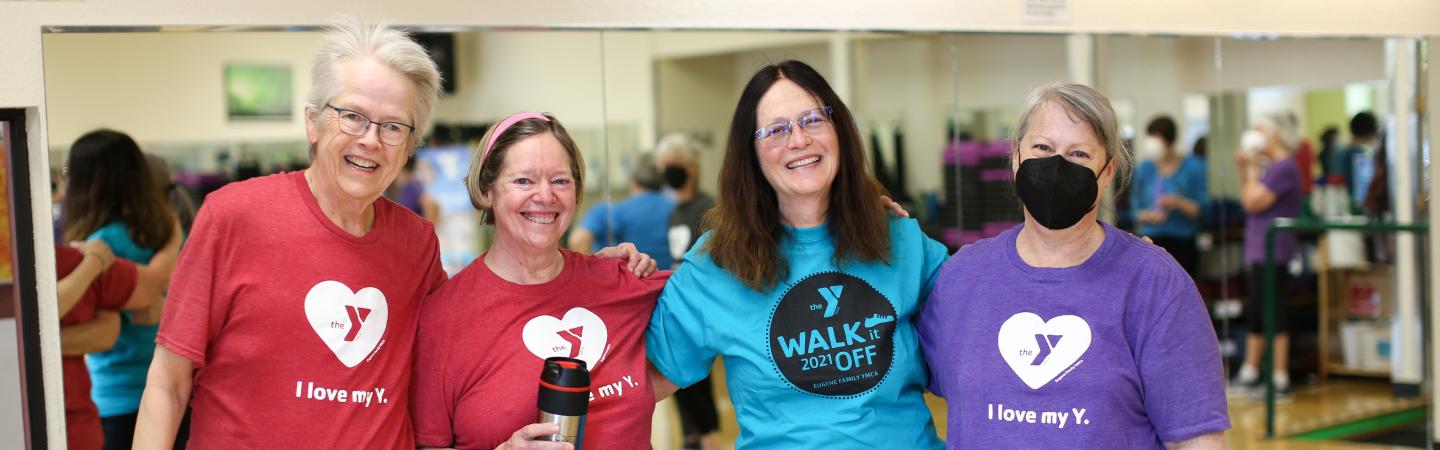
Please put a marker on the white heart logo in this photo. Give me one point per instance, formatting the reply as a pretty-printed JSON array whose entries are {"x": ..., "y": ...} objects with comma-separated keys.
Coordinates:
[
  {"x": 581, "y": 335},
  {"x": 1038, "y": 351},
  {"x": 350, "y": 323}
]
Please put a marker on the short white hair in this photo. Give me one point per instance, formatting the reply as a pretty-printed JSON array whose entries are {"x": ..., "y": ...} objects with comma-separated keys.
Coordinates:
[
  {"x": 1284, "y": 124},
  {"x": 678, "y": 146},
  {"x": 348, "y": 38}
]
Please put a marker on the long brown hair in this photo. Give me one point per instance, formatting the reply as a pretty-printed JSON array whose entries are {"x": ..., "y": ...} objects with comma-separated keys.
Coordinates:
[
  {"x": 746, "y": 221},
  {"x": 108, "y": 179}
]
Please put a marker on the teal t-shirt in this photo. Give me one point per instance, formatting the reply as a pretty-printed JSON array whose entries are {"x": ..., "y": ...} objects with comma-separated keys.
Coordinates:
[
  {"x": 1149, "y": 185},
  {"x": 829, "y": 357},
  {"x": 118, "y": 375}
]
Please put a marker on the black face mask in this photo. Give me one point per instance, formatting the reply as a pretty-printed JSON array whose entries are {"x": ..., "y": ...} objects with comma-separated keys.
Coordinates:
[
  {"x": 1057, "y": 192},
  {"x": 676, "y": 176}
]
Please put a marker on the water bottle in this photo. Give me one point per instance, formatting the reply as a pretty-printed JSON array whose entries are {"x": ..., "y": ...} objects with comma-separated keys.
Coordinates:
[{"x": 564, "y": 397}]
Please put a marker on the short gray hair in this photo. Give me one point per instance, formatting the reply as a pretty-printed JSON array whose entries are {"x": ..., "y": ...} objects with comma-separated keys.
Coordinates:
[
  {"x": 1284, "y": 124},
  {"x": 1086, "y": 104},
  {"x": 348, "y": 38},
  {"x": 679, "y": 146}
]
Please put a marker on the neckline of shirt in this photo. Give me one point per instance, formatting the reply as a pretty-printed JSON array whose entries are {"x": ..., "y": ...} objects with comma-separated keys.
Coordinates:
[
  {"x": 1091, "y": 264},
  {"x": 567, "y": 272},
  {"x": 313, "y": 205}
]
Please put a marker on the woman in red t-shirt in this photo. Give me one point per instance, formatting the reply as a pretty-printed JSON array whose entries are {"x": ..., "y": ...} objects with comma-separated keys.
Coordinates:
[{"x": 485, "y": 334}]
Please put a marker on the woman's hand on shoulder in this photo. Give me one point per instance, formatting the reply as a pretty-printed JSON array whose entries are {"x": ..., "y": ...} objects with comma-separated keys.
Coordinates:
[
  {"x": 642, "y": 265},
  {"x": 527, "y": 438},
  {"x": 894, "y": 207}
]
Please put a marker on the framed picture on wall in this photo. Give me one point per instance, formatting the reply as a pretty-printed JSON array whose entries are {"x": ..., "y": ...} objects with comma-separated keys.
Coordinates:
[{"x": 258, "y": 92}]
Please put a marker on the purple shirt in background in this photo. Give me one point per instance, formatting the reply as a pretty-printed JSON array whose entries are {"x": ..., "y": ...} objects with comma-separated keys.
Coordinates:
[
  {"x": 1117, "y": 352},
  {"x": 1282, "y": 178}
]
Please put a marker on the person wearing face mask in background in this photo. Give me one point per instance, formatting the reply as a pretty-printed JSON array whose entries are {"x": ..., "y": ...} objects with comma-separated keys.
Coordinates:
[
  {"x": 1168, "y": 191},
  {"x": 679, "y": 161},
  {"x": 1270, "y": 188},
  {"x": 640, "y": 219},
  {"x": 1070, "y": 317}
]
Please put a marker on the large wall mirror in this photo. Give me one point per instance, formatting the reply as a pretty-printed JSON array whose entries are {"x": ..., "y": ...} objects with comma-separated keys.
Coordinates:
[{"x": 935, "y": 109}]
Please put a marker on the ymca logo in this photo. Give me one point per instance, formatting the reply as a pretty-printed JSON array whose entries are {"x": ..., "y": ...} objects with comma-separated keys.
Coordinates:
[
  {"x": 825, "y": 348},
  {"x": 580, "y": 334},
  {"x": 1039, "y": 351},
  {"x": 831, "y": 295},
  {"x": 351, "y": 324}
]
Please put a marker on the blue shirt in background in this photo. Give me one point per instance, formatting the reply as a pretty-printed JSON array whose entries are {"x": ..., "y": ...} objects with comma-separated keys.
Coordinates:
[
  {"x": 1149, "y": 184},
  {"x": 118, "y": 375},
  {"x": 643, "y": 220}
]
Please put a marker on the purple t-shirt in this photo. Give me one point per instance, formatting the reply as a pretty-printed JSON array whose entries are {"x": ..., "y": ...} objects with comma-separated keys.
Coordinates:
[
  {"x": 1282, "y": 178},
  {"x": 1117, "y": 352}
]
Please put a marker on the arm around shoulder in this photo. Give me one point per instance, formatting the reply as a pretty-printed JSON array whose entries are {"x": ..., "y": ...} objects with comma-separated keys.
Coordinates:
[{"x": 154, "y": 278}]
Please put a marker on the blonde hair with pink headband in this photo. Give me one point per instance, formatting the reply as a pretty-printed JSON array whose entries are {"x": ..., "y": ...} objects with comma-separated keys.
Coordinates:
[{"x": 488, "y": 158}]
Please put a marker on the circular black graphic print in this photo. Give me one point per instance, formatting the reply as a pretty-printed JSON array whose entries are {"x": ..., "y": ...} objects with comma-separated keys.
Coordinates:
[{"x": 833, "y": 334}]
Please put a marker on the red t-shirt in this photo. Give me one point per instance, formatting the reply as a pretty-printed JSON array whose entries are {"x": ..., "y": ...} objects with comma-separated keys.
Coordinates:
[
  {"x": 301, "y": 334},
  {"x": 111, "y": 290},
  {"x": 483, "y": 341}
]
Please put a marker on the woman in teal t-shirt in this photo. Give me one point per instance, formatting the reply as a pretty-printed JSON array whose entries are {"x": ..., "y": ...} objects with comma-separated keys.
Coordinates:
[
  {"x": 805, "y": 285},
  {"x": 112, "y": 195}
]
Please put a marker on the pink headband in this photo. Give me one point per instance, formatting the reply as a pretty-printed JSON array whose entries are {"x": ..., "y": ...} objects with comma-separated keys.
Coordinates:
[{"x": 505, "y": 125}]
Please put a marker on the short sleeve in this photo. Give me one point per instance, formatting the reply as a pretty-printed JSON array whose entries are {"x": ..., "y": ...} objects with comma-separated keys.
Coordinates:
[
  {"x": 935, "y": 255},
  {"x": 432, "y": 408},
  {"x": 115, "y": 285},
  {"x": 930, "y": 325},
  {"x": 598, "y": 223},
  {"x": 1178, "y": 357},
  {"x": 197, "y": 302},
  {"x": 676, "y": 341},
  {"x": 435, "y": 276},
  {"x": 1282, "y": 178}
]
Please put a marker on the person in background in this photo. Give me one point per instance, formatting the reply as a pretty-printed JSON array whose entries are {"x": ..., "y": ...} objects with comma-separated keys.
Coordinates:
[
  {"x": 1269, "y": 189},
  {"x": 1168, "y": 192},
  {"x": 409, "y": 191},
  {"x": 57, "y": 200},
  {"x": 642, "y": 219},
  {"x": 679, "y": 160},
  {"x": 180, "y": 201},
  {"x": 1304, "y": 155},
  {"x": 528, "y": 299},
  {"x": 1066, "y": 313},
  {"x": 801, "y": 242},
  {"x": 680, "y": 163},
  {"x": 1329, "y": 145},
  {"x": 1349, "y": 164},
  {"x": 91, "y": 288},
  {"x": 112, "y": 196}
]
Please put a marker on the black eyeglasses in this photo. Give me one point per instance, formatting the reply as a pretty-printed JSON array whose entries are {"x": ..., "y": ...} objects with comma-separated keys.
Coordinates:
[
  {"x": 812, "y": 120},
  {"x": 356, "y": 124}
]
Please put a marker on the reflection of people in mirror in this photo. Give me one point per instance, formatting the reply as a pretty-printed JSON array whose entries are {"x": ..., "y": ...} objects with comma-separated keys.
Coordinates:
[
  {"x": 93, "y": 287},
  {"x": 113, "y": 195}
]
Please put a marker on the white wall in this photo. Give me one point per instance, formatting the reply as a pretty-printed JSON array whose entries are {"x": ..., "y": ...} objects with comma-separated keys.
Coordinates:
[{"x": 165, "y": 87}]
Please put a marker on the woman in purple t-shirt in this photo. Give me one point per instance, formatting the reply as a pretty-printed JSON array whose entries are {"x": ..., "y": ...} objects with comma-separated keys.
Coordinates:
[
  {"x": 1269, "y": 188},
  {"x": 1065, "y": 331}
]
